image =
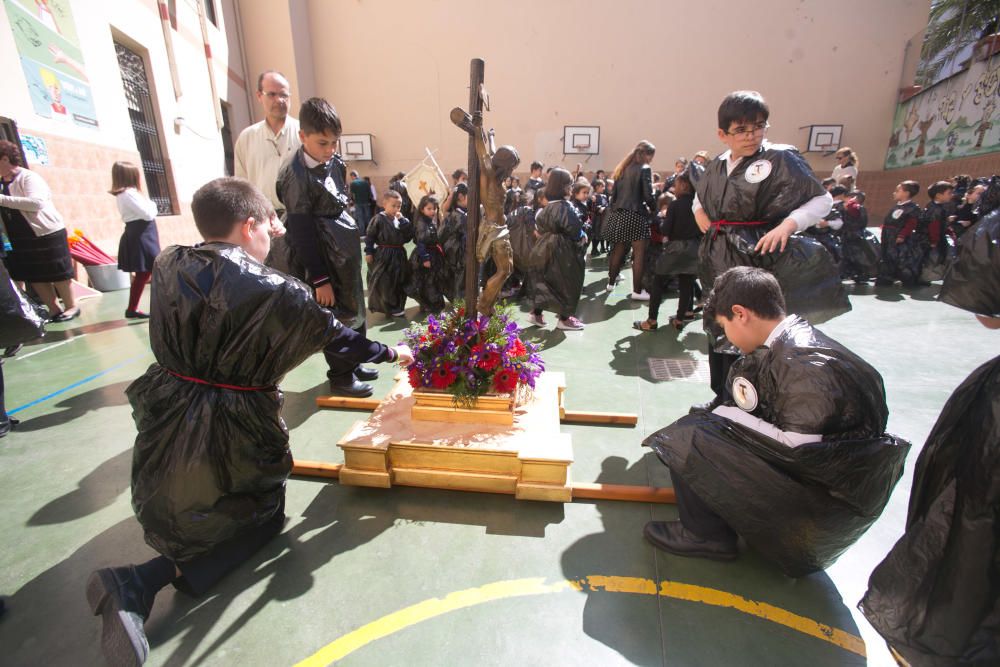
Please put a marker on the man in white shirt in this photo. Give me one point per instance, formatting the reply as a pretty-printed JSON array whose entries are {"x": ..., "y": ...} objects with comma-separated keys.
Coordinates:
[{"x": 263, "y": 147}]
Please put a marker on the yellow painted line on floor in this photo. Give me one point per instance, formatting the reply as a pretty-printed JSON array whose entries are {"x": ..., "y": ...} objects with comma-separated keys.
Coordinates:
[{"x": 422, "y": 611}]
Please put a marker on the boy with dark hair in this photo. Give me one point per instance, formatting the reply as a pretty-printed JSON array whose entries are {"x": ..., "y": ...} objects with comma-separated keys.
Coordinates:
[
  {"x": 750, "y": 201},
  {"x": 211, "y": 456},
  {"x": 323, "y": 238},
  {"x": 385, "y": 253},
  {"x": 901, "y": 259},
  {"x": 535, "y": 182},
  {"x": 934, "y": 230},
  {"x": 860, "y": 248},
  {"x": 598, "y": 206},
  {"x": 798, "y": 463}
]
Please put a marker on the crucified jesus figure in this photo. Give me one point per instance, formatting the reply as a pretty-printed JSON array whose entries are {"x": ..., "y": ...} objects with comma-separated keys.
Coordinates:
[{"x": 492, "y": 240}]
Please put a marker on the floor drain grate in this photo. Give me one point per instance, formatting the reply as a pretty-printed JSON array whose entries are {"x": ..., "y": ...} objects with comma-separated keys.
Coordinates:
[{"x": 664, "y": 370}]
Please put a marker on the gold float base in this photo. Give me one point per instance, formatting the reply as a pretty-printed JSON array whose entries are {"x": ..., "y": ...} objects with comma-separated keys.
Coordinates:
[{"x": 528, "y": 458}]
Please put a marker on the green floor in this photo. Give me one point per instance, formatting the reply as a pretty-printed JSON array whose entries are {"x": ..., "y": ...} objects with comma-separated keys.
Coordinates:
[{"x": 350, "y": 559}]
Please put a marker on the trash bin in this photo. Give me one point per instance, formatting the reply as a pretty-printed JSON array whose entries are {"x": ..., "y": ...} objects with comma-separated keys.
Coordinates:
[{"x": 108, "y": 278}]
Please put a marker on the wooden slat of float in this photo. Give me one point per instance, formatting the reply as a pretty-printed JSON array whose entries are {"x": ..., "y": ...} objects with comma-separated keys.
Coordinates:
[
  {"x": 582, "y": 417},
  {"x": 348, "y": 402},
  {"x": 316, "y": 469},
  {"x": 636, "y": 494}
]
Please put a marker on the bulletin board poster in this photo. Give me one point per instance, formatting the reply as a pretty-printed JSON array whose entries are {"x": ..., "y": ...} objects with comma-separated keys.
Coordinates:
[{"x": 49, "y": 49}]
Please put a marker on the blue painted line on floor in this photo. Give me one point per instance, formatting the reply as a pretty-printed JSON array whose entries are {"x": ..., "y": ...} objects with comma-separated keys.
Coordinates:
[{"x": 73, "y": 386}]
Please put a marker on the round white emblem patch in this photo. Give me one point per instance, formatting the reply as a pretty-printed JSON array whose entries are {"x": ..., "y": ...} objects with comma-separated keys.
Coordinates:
[
  {"x": 744, "y": 394},
  {"x": 758, "y": 171},
  {"x": 897, "y": 214}
]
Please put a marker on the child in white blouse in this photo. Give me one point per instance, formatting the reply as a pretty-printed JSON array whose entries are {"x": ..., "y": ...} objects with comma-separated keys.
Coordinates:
[{"x": 140, "y": 242}]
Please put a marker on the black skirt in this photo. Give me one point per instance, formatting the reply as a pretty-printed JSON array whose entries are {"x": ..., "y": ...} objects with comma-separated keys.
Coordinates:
[
  {"x": 35, "y": 259},
  {"x": 625, "y": 226},
  {"x": 139, "y": 246}
]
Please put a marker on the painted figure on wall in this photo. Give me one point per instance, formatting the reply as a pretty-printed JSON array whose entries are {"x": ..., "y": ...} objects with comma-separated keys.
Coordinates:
[
  {"x": 924, "y": 126},
  {"x": 985, "y": 125}
]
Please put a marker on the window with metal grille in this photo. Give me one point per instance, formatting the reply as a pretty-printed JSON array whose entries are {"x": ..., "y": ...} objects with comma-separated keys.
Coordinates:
[
  {"x": 227, "y": 141},
  {"x": 210, "y": 12},
  {"x": 147, "y": 137}
]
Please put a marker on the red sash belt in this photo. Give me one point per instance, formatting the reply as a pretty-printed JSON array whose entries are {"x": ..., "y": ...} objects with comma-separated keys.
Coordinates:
[
  {"x": 718, "y": 224},
  {"x": 217, "y": 384}
]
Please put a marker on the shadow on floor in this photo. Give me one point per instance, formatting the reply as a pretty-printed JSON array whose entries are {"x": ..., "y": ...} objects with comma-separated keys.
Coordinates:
[
  {"x": 77, "y": 406},
  {"x": 94, "y": 492},
  {"x": 47, "y": 620},
  {"x": 657, "y": 630},
  {"x": 56, "y": 336}
]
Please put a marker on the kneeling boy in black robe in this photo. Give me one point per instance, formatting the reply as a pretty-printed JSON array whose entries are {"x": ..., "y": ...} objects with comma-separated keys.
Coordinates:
[
  {"x": 800, "y": 466},
  {"x": 211, "y": 456}
]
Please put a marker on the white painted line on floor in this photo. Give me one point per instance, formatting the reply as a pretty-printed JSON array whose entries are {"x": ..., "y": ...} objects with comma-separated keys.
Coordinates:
[{"x": 50, "y": 347}]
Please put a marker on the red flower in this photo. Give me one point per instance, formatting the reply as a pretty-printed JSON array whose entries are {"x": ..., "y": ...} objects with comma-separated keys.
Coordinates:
[
  {"x": 443, "y": 377},
  {"x": 517, "y": 349},
  {"x": 461, "y": 312},
  {"x": 414, "y": 378},
  {"x": 505, "y": 381},
  {"x": 489, "y": 361}
]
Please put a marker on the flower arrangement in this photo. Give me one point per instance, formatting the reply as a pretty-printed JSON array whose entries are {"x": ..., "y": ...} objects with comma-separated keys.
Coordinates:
[{"x": 468, "y": 358}]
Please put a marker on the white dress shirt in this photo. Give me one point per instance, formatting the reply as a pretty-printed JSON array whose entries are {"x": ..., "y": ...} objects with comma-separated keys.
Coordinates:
[
  {"x": 133, "y": 205},
  {"x": 259, "y": 154},
  {"x": 805, "y": 216}
]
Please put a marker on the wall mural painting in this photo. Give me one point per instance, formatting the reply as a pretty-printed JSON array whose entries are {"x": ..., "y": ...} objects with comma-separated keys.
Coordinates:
[
  {"x": 954, "y": 119},
  {"x": 47, "y": 42}
]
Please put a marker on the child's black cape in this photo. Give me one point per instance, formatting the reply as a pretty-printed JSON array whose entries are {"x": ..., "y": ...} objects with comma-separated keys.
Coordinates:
[
  {"x": 19, "y": 321},
  {"x": 801, "y": 507},
  {"x": 558, "y": 259},
  {"x": 973, "y": 280},
  {"x": 210, "y": 461},
  {"x": 766, "y": 187}
]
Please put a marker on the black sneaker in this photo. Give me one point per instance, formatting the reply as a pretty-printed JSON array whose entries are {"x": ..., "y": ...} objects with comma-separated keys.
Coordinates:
[
  {"x": 673, "y": 537},
  {"x": 117, "y": 595}
]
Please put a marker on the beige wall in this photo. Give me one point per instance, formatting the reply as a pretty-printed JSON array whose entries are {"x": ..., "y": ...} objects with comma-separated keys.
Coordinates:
[{"x": 653, "y": 70}]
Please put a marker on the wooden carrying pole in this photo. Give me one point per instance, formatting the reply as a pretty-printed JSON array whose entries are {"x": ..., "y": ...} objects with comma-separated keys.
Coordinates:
[
  {"x": 477, "y": 71},
  {"x": 635, "y": 494}
]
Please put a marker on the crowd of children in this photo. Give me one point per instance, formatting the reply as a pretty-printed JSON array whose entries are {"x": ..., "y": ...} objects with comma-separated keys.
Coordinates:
[{"x": 204, "y": 528}]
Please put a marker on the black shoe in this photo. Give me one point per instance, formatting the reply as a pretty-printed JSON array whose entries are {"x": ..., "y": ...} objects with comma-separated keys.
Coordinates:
[
  {"x": 354, "y": 389},
  {"x": 66, "y": 315},
  {"x": 12, "y": 350},
  {"x": 136, "y": 315},
  {"x": 673, "y": 537},
  {"x": 366, "y": 374},
  {"x": 705, "y": 407},
  {"x": 118, "y": 596},
  {"x": 884, "y": 282},
  {"x": 7, "y": 425}
]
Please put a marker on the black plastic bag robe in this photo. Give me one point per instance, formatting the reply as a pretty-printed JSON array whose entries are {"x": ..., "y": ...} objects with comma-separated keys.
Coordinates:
[
  {"x": 557, "y": 280},
  {"x": 19, "y": 321},
  {"x": 210, "y": 461},
  {"x": 801, "y": 507}
]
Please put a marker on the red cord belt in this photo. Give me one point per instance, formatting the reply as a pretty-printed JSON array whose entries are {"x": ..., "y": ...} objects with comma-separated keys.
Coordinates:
[
  {"x": 718, "y": 224},
  {"x": 218, "y": 385}
]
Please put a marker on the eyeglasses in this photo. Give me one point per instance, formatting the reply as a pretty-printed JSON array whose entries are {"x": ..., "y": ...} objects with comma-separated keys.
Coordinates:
[
  {"x": 750, "y": 131},
  {"x": 276, "y": 96}
]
